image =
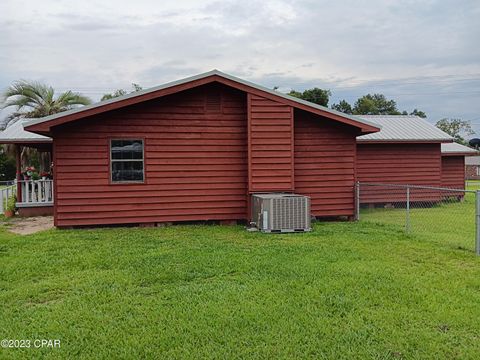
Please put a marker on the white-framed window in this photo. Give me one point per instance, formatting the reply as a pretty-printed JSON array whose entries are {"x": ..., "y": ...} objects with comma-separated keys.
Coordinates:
[
  {"x": 127, "y": 160},
  {"x": 478, "y": 170}
]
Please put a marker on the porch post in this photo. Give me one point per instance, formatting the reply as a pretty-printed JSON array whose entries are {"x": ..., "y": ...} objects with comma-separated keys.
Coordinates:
[{"x": 18, "y": 155}]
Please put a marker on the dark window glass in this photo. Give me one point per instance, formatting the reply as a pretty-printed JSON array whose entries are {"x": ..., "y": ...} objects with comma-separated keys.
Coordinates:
[
  {"x": 127, "y": 160},
  {"x": 127, "y": 149}
]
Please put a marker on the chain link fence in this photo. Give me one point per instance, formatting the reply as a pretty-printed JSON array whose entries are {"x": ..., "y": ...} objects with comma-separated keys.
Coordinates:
[
  {"x": 472, "y": 184},
  {"x": 449, "y": 216},
  {"x": 6, "y": 183}
]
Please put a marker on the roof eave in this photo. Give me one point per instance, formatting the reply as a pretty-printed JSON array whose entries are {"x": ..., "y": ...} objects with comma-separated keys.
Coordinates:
[
  {"x": 404, "y": 141},
  {"x": 365, "y": 131},
  {"x": 25, "y": 141},
  {"x": 43, "y": 126},
  {"x": 460, "y": 153}
]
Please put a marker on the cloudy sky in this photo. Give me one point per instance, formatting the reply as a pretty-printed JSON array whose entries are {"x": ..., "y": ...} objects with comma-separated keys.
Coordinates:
[{"x": 424, "y": 54}]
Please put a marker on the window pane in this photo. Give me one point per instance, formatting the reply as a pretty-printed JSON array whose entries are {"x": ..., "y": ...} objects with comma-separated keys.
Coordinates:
[
  {"x": 127, "y": 149},
  {"x": 127, "y": 160},
  {"x": 127, "y": 170}
]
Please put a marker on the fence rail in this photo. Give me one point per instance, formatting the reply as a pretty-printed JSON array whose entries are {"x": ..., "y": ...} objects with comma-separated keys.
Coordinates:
[
  {"x": 36, "y": 191},
  {"x": 445, "y": 214},
  {"x": 6, "y": 193},
  {"x": 7, "y": 183},
  {"x": 407, "y": 187}
]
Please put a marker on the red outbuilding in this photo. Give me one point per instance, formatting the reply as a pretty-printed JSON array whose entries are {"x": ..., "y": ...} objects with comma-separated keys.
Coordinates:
[
  {"x": 453, "y": 164},
  {"x": 196, "y": 149},
  {"x": 407, "y": 150}
]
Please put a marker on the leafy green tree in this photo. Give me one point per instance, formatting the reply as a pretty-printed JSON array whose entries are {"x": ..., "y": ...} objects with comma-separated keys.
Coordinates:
[
  {"x": 36, "y": 100},
  {"x": 296, "y": 94},
  {"x": 116, "y": 93},
  {"x": 315, "y": 95},
  {"x": 418, "y": 113},
  {"x": 343, "y": 106},
  {"x": 7, "y": 166},
  {"x": 376, "y": 104},
  {"x": 121, "y": 92},
  {"x": 456, "y": 128},
  {"x": 136, "y": 87}
]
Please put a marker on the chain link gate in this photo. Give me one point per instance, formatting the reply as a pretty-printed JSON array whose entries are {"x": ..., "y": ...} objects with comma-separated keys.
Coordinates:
[{"x": 451, "y": 215}]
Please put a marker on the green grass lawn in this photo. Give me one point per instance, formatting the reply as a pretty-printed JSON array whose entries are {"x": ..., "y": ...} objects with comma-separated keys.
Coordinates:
[
  {"x": 450, "y": 224},
  {"x": 473, "y": 184},
  {"x": 3, "y": 185},
  {"x": 345, "y": 291}
]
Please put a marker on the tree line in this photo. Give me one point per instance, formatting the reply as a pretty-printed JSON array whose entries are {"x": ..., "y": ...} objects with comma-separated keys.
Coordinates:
[
  {"x": 370, "y": 104},
  {"x": 378, "y": 104}
]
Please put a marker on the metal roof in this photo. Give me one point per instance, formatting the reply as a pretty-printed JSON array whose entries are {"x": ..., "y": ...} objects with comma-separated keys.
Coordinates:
[
  {"x": 16, "y": 133},
  {"x": 455, "y": 148},
  {"x": 198, "y": 77},
  {"x": 472, "y": 160},
  {"x": 409, "y": 128}
]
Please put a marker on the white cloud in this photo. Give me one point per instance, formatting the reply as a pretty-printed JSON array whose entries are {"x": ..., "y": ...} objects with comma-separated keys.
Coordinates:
[{"x": 98, "y": 46}]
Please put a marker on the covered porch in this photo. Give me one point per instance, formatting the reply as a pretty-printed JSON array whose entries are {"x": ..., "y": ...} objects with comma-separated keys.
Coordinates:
[{"x": 32, "y": 187}]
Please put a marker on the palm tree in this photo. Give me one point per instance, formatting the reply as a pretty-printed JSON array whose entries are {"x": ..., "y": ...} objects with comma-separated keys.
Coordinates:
[{"x": 36, "y": 100}]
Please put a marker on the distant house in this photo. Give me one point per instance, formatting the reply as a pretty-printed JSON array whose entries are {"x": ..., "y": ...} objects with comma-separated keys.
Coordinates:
[
  {"x": 472, "y": 168},
  {"x": 196, "y": 149},
  {"x": 407, "y": 150},
  {"x": 454, "y": 157}
]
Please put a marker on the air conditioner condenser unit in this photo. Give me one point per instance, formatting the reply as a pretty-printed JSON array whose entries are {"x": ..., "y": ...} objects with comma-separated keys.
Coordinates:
[{"x": 281, "y": 212}]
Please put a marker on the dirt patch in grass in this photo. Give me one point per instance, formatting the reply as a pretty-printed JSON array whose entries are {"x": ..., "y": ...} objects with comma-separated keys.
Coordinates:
[{"x": 31, "y": 225}]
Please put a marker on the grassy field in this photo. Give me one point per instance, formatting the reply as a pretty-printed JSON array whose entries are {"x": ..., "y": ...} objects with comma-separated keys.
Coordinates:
[
  {"x": 4, "y": 184},
  {"x": 345, "y": 291},
  {"x": 473, "y": 184},
  {"x": 449, "y": 224}
]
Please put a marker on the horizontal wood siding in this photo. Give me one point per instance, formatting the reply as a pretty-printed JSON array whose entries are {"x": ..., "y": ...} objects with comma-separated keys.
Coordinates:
[
  {"x": 414, "y": 164},
  {"x": 270, "y": 145},
  {"x": 325, "y": 164},
  {"x": 195, "y": 161},
  {"x": 453, "y": 172}
]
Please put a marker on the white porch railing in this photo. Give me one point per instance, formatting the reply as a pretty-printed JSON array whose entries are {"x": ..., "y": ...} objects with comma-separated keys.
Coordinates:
[
  {"x": 36, "y": 192},
  {"x": 5, "y": 193}
]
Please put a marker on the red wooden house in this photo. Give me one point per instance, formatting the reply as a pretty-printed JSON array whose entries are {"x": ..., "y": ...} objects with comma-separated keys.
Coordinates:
[
  {"x": 453, "y": 164},
  {"x": 195, "y": 149},
  {"x": 407, "y": 150}
]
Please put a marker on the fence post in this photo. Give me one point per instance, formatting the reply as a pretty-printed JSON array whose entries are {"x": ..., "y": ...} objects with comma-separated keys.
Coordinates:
[
  {"x": 407, "y": 219},
  {"x": 477, "y": 222},
  {"x": 1, "y": 201},
  {"x": 357, "y": 201}
]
